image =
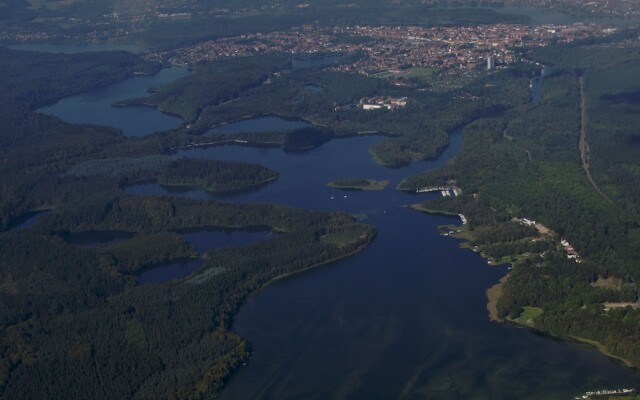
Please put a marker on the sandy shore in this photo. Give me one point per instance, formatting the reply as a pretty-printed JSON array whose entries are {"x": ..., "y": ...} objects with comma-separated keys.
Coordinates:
[{"x": 493, "y": 295}]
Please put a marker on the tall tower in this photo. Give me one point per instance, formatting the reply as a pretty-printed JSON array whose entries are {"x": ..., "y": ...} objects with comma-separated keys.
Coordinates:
[{"x": 491, "y": 62}]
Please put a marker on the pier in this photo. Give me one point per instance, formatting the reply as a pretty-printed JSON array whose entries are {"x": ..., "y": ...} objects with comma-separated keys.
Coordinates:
[
  {"x": 444, "y": 190},
  {"x": 613, "y": 392}
]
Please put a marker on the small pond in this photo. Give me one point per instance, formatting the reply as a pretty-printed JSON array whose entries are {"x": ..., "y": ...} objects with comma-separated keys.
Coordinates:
[{"x": 203, "y": 241}]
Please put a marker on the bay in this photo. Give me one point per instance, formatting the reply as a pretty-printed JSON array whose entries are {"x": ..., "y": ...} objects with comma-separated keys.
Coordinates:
[
  {"x": 95, "y": 106},
  {"x": 28, "y": 220}
]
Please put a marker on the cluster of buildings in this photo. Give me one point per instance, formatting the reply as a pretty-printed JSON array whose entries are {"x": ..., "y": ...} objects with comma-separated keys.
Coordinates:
[
  {"x": 456, "y": 47},
  {"x": 391, "y": 48},
  {"x": 444, "y": 190},
  {"x": 570, "y": 251},
  {"x": 377, "y": 103},
  {"x": 307, "y": 39},
  {"x": 566, "y": 246}
]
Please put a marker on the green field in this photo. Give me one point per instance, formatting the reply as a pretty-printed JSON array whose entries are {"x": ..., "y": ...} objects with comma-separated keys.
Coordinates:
[
  {"x": 359, "y": 184},
  {"x": 419, "y": 72},
  {"x": 528, "y": 315}
]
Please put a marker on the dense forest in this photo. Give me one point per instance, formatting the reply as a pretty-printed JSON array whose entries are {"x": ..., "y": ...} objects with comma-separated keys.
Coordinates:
[
  {"x": 210, "y": 175},
  {"x": 79, "y": 312},
  {"x": 129, "y": 333},
  {"x": 526, "y": 163}
]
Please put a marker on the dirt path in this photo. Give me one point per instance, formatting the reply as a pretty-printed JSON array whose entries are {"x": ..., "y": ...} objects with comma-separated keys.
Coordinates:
[{"x": 582, "y": 143}]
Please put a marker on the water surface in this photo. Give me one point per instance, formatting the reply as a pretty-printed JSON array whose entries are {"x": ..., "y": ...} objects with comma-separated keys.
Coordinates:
[
  {"x": 69, "y": 48},
  {"x": 545, "y": 16},
  {"x": 169, "y": 271},
  {"x": 29, "y": 219},
  {"x": 537, "y": 83},
  {"x": 95, "y": 107}
]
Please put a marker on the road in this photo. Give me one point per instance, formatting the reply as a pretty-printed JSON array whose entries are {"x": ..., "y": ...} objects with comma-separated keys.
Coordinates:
[{"x": 582, "y": 143}]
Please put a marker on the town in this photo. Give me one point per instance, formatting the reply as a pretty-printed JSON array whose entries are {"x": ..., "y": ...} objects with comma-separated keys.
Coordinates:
[
  {"x": 391, "y": 48},
  {"x": 128, "y": 19}
]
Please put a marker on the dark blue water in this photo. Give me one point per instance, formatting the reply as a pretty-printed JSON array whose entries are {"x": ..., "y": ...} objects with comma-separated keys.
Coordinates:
[
  {"x": 75, "y": 48},
  {"x": 304, "y": 176},
  {"x": 260, "y": 124},
  {"x": 203, "y": 241},
  {"x": 545, "y": 16},
  {"x": 170, "y": 271},
  {"x": 537, "y": 83},
  {"x": 29, "y": 219},
  {"x": 94, "y": 107},
  {"x": 405, "y": 318}
]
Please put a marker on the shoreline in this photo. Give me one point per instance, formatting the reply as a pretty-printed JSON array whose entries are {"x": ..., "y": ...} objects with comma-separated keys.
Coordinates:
[
  {"x": 310, "y": 267},
  {"x": 494, "y": 293},
  {"x": 600, "y": 348}
]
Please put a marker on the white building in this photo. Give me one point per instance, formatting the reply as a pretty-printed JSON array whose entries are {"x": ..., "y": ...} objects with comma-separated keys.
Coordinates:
[{"x": 491, "y": 62}]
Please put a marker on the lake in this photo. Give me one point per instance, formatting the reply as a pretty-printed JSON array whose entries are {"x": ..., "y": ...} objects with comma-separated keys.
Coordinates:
[
  {"x": 405, "y": 318},
  {"x": 94, "y": 107},
  {"x": 303, "y": 176}
]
